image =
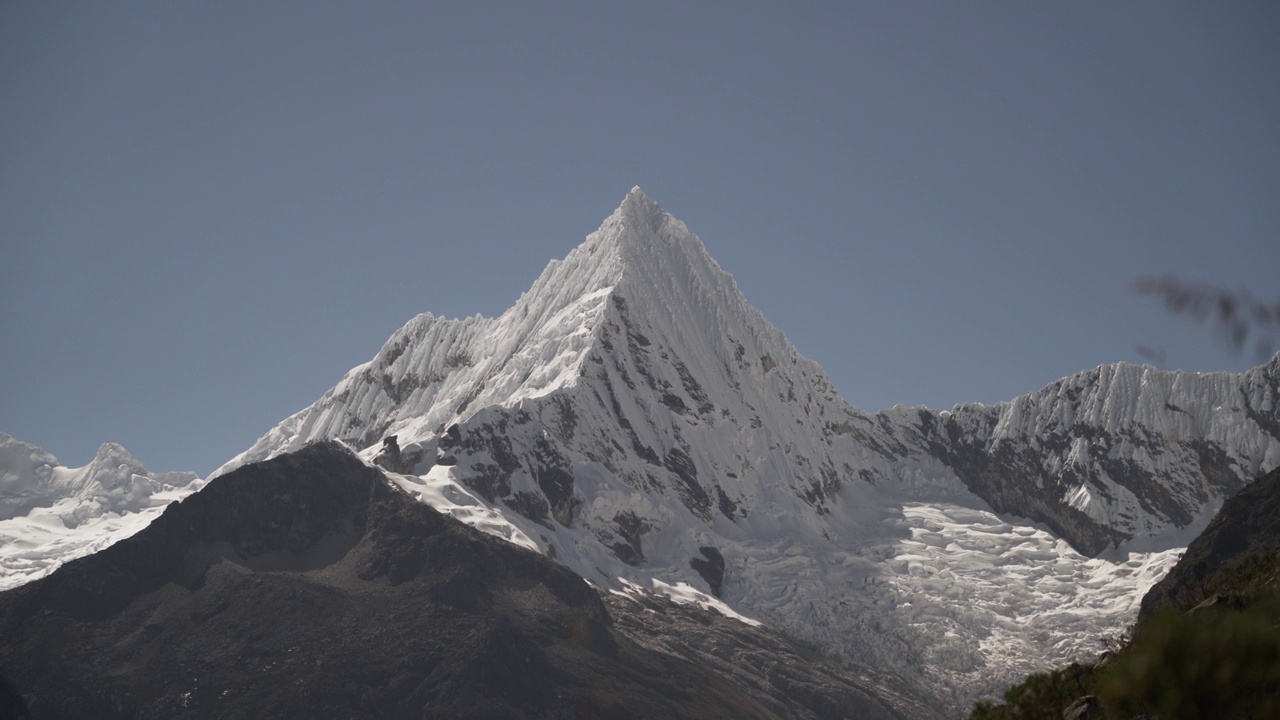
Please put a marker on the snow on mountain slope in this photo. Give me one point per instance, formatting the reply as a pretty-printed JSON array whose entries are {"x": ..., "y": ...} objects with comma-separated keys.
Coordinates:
[
  {"x": 634, "y": 417},
  {"x": 1116, "y": 453},
  {"x": 435, "y": 370},
  {"x": 50, "y": 514}
]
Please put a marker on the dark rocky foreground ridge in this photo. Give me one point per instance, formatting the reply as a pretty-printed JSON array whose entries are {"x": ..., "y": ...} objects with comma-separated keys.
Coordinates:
[
  {"x": 309, "y": 586},
  {"x": 1247, "y": 526}
]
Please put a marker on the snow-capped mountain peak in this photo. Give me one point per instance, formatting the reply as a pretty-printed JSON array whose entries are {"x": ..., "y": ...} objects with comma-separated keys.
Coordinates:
[
  {"x": 634, "y": 417},
  {"x": 50, "y": 513},
  {"x": 641, "y": 263}
]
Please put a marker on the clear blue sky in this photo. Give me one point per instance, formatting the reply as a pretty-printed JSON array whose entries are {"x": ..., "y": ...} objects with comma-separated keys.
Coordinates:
[{"x": 210, "y": 211}]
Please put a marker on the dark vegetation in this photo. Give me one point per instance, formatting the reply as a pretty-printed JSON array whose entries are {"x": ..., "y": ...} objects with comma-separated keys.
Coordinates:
[{"x": 1206, "y": 645}]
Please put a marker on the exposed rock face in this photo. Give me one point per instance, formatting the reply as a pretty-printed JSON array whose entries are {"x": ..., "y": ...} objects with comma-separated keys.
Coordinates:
[
  {"x": 711, "y": 567},
  {"x": 1248, "y": 523},
  {"x": 1084, "y": 708},
  {"x": 393, "y": 460},
  {"x": 309, "y": 586}
]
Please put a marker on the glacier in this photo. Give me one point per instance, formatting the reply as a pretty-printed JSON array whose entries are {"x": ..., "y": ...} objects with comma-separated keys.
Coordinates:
[{"x": 635, "y": 418}]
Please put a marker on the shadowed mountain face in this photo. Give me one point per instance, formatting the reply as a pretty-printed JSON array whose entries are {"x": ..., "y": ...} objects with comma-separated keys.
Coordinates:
[
  {"x": 308, "y": 586},
  {"x": 1248, "y": 524}
]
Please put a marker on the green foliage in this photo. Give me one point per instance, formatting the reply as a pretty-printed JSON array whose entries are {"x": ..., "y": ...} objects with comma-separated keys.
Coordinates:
[
  {"x": 1244, "y": 583},
  {"x": 1209, "y": 663},
  {"x": 1040, "y": 695}
]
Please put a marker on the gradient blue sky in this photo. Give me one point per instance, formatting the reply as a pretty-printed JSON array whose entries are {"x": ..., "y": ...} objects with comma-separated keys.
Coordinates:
[{"x": 210, "y": 211}]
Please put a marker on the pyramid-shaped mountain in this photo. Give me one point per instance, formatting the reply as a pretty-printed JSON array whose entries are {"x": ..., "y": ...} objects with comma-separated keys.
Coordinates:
[{"x": 635, "y": 418}]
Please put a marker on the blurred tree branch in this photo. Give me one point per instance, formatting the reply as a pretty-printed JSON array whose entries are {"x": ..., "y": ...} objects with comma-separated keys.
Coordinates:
[{"x": 1236, "y": 316}]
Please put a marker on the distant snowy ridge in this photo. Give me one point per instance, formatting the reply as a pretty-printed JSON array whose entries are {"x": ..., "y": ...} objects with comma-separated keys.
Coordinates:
[
  {"x": 634, "y": 417},
  {"x": 1113, "y": 454},
  {"x": 50, "y": 514}
]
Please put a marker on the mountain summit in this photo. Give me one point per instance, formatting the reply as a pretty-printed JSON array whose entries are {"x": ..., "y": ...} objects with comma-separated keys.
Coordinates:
[
  {"x": 635, "y": 418},
  {"x": 642, "y": 270}
]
